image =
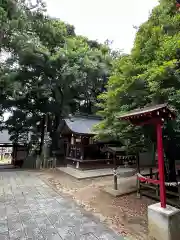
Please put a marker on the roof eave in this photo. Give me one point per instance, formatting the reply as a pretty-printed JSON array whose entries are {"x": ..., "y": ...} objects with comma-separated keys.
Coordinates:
[{"x": 145, "y": 111}]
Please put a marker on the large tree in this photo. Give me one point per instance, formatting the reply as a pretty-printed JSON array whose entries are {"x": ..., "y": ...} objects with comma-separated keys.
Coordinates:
[
  {"x": 49, "y": 70},
  {"x": 149, "y": 75}
]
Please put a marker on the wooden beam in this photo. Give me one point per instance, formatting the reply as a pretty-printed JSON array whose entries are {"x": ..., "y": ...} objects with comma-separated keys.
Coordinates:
[{"x": 148, "y": 122}]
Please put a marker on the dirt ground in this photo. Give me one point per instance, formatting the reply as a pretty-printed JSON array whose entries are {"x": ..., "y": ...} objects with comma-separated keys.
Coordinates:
[{"x": 127, "y": 215}]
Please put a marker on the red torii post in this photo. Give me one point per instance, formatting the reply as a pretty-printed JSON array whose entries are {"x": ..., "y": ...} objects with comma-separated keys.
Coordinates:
[
  {"x": 178, "y": 4},
  {"x": 153, "y": 115}
]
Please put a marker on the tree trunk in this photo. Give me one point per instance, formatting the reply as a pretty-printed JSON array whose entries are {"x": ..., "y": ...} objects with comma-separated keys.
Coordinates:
[
  {"x": 59, "y": 98},
  {"x": 45, "y": 145},
  {"x": 55, "y": 134},
  {"x": 42, "y": 136}
]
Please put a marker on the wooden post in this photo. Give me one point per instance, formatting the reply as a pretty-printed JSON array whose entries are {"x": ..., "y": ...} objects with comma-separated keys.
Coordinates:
[
  {"x": 138, "y": 181},
  {"x": 151, "y": 172},
  {"x": 54, "y": 159},
  {"x": 115, "y": 172},
  {"x": 82, "y": 152},
  {"x": 67, "y": 149},
  {"x": 75, "y": 151},
  {"x": 179, "y": 192},
  {"x": 161, "y": 165}
]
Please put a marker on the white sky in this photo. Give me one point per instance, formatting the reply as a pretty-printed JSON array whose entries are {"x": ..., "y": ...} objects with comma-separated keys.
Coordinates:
[{"x": 104, "y": 19}]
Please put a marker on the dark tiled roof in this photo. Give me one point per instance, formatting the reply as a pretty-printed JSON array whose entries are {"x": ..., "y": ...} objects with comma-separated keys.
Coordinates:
[
  {"x": 4, "y": 137},
  {"x": 82, "y": 125}
]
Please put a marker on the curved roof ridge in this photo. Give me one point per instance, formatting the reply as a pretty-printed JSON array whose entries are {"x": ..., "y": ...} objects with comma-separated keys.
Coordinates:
[{"x": 82, "y": 125}]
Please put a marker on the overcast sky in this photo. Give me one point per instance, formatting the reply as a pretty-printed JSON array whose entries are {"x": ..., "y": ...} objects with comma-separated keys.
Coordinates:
[{"x": 104, "y": 19}]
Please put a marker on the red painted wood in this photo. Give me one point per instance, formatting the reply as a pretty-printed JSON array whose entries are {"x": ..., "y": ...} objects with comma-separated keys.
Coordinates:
[
  {"x": 161, "y": 165},
  {"x": 149, "y": 180},
  {"x": 148, "y": 122}
]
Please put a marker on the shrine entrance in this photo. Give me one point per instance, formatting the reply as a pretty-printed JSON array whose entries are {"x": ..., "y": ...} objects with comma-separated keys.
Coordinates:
[
  {"x": 163, "y": 219},
  {"x": 5, "y": 154},
  {"x": 6, "y": 149},
  {"x": 156, "y": 116},
  {"x": 11, "y": 155}
]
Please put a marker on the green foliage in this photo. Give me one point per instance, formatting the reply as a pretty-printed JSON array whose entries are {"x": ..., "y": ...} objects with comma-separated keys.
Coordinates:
[
  {"x": 49, "y": 69},
  {"x": 149, "y": 75}
]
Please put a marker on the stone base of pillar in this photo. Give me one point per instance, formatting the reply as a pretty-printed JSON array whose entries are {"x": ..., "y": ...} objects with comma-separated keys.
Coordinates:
[{"x": 163, "y": 223}]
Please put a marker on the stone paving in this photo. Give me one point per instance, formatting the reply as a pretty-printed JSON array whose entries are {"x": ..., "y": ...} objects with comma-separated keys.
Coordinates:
[{"x": 30, "y": 209}]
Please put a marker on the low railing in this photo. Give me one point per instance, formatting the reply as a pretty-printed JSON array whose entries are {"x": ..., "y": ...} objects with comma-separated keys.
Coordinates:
[{"x": 85, "y": 152}]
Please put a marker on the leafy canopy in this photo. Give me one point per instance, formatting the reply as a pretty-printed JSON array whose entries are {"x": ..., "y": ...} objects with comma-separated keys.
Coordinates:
[{"x": 149, "y": 75}]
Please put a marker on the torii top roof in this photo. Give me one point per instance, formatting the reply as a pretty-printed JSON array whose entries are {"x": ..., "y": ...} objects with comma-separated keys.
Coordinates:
[{"x": 161, "y": 111}]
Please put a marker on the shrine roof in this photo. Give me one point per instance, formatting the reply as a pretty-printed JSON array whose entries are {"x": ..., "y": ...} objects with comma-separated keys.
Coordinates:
[
  {"x": 149, "y": 112},
  {"x": 83, "y": 125}
]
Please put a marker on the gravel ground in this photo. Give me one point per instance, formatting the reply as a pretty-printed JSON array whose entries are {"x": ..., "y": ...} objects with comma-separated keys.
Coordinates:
[{"x": 127, "y": 215}]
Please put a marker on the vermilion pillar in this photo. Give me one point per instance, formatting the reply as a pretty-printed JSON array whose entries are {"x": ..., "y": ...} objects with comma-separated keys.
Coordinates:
[{"x": 161, "y": 165}]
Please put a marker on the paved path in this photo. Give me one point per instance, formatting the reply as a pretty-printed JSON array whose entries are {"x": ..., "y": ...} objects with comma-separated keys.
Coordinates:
[{"x": 30, "y": 209}]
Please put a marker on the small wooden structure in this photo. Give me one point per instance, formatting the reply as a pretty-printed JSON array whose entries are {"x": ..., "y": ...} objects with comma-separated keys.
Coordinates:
[
  {"x": 18, "y": 152},
  {"x": 80, "y": 146},
  {"x": 155, "y": 115},
  {"x": 119, "y": 157}
]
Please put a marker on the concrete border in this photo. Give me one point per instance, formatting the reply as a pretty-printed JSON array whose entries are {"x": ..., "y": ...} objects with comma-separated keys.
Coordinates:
[{"x": 88, "y": 174}]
